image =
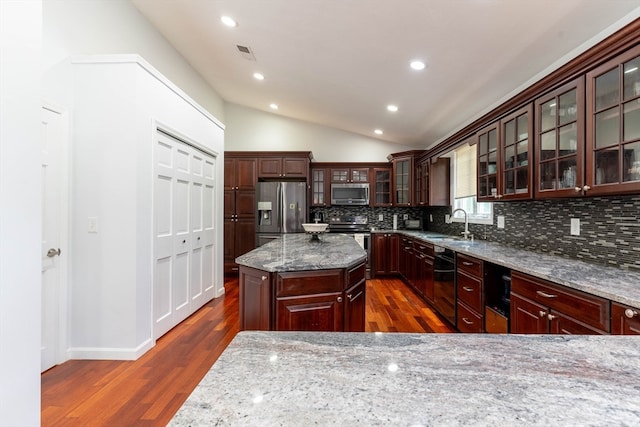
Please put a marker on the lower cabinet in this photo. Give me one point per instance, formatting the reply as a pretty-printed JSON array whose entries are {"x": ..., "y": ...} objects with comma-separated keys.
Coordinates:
[
  {"x": 541, "y": 307},
  {"x": 624, "y": 320},
  {"x": 470, "y": 294},
  {"x": 384, "y": 253},
  {"x": 323, "y": 300}
]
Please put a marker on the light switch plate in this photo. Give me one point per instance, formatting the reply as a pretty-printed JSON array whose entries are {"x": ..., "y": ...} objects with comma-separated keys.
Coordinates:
[
  {"x": 500, "y": 221},
  {"x": 447, "y": 219},
  {"x": 92, "y": 224},
  {"x": 575, "y": 226},
  {"x": 430, "y": 217}
]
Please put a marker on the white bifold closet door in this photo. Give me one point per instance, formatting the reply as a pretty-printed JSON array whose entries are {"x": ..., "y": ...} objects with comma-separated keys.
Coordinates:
[{"x": 183, "y": 229}]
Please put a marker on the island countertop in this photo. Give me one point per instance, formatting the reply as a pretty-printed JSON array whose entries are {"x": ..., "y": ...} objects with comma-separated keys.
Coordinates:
[
  {"x": 358, "y": 379},
  {"x": 297, "y": 252}
]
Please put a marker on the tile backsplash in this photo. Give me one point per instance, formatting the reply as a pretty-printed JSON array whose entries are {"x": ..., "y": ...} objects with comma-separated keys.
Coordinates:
[{"x": 609, "y": 228}]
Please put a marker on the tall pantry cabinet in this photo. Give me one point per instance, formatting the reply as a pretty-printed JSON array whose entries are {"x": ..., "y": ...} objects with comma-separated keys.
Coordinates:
[{"x": 147, "y": 171}]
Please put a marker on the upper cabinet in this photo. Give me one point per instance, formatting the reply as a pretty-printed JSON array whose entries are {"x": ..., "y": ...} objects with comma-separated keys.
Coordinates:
[
  {"x": 320, "y": 195},
  {"x": 504, "y": 157},
  {"x": 402, "y": 180},
  {"x": 559, "y": 142},
  {"x": 283, "y": 165},
  {"x": 346, "y": 174},
  {"x": 381, "y": 191},
  {"x": 613, "y": 126}
]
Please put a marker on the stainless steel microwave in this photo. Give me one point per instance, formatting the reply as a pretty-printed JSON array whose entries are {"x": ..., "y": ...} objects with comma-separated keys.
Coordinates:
[{"x": 350, "y": 194}]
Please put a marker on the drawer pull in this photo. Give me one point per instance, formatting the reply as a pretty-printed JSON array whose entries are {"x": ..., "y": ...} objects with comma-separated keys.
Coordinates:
[
  {"x": 467, "y": 321},
  {"x": 630, "y": 313},
  {"x": 546, "y": 295},
  {"x": 351, "y": 297},
  {"x": 467, "y": 263},
  {"x": 468, "y": 289}
]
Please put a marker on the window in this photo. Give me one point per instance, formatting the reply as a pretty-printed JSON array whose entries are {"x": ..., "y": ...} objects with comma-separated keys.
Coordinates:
[{"x": 464, "y": 188}]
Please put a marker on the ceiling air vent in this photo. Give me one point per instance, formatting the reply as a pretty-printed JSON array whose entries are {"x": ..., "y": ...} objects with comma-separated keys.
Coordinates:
[{"x": 246, "y": 52}]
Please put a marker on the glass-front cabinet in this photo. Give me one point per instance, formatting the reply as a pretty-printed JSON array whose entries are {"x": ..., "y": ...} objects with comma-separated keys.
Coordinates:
[
  {"x": 504, "y": 154},
  {"x": 613, "y": 126},
  {"x": 342, "y": 175},
  {"x": 319, "y": 187},
  {"x": 559, "y": 142},
  {"x": 402, "y": 178},
  {"x": 381, "y": 187}
]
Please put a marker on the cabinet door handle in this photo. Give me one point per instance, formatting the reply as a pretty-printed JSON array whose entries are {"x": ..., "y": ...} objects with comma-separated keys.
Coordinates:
[
  {"x": 468, "y": 289},
  {"x": 467, "y": 321},
  {"x": 339, "y": 299},
  {"x": 264, "y": 278},
  {"x": 578, "y": 189},
  {"x": 586, "y": 188},
  {"x": 630, "y": 313},
  {"x": 551, "y": 317},
  {"x": 351, "y": 297},
  {"x": 546, "y": 295},
  {"x": 543, "y": 313},
  {"x": 468, "y": 264}
]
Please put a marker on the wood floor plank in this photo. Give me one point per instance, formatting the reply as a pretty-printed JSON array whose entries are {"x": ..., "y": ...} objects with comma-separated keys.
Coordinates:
[{"x": 150, "y": 390}]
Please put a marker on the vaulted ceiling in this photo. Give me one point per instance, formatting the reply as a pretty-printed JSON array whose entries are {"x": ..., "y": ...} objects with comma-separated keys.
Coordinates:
[{"x": 339, "y": 63}]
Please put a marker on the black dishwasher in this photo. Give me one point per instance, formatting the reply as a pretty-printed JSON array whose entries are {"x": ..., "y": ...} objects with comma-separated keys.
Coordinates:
[{"x": 444, "y": 283}]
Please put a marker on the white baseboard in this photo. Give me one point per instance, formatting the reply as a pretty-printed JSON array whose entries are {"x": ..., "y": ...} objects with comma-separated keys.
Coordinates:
[{"x": 100, "y": 353}]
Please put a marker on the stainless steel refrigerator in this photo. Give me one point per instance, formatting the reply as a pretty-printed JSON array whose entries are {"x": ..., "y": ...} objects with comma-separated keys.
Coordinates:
[{"x": 282, "y": 208}]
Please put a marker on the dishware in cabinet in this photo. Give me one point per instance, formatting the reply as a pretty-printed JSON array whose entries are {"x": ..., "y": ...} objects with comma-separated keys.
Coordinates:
[
  {"x": 559, "y": 142},
  {"x": 613, "y": 126},
  {"x": 504, "y": 157}
]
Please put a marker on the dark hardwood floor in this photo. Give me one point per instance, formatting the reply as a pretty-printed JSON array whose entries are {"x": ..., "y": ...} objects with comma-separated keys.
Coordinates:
[{"x": 150, "y": 390}]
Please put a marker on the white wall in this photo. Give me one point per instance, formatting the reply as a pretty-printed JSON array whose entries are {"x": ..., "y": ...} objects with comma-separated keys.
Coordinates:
[
  {"x": 79, "y": 27},
  {"x": 253, "y": 130},
  {"x": 20, "y": 211}
]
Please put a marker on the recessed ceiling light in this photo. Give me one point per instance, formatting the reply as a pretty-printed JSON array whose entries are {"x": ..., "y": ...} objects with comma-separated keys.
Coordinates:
[
  {"x": 378, "y": 132},
  {"x": 392, "y": 108},
  {"x": 258, "y": 76},
  {"x": 417, "y": 65},
  {"x": 273, "y": 106},
  {"x": 228, "y": 21}
]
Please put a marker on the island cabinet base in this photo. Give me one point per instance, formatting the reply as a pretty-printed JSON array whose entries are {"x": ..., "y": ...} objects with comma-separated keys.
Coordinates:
[{"x": 320, "y": 300}]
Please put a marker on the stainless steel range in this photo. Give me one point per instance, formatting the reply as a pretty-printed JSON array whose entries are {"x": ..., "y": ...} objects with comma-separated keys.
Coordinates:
[{"x": 356, "y": 226}]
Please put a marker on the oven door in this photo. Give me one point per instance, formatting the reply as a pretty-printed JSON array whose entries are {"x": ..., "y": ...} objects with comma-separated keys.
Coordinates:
[{"x": 444, "y": 285}]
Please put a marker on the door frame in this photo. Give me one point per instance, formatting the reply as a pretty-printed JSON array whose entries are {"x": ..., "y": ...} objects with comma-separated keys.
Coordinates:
[{"x": 64, "y": 262}]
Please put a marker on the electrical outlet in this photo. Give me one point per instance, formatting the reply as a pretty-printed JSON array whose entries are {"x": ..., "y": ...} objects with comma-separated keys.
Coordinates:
[
  {"x": 380, "y": 217},
  {"x": 575, "y": 226},
  {"x": 500, "y": 221},
  {"x": 447, "y": 219},
  {"x": 405, "y": 216}
]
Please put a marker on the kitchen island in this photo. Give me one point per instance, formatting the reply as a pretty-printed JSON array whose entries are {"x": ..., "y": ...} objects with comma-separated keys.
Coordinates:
[
  {"x": 356, "y": 379},
  {"x": 303, "y": 283}
]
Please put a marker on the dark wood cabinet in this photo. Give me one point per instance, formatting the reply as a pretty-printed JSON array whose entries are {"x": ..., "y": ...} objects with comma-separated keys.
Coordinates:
[
  {"x": 320, "y": 187},
  {"x": 403, "y": 170},
  {"x": 470, "y": 294},
  {"x": 439, "y": 182},
  {"x": 561, "y": 309},
  {"x": 255, "y": 292},
  {"x": 350, "y": 174},
  {"x": 283, "y": 165},
  {"x": 355, "y": 300},
  {"x": 613, "y": 126},
  {"x": 423, "y": 269},
  {"x": 405, "y": 261},
  {"x": 559, "y": 142},
  {"x": 323, "y": 300},
  {"x": 384, "y": 253},
  {"x": 381, "y": 187},
  {"x": 505, "y": 157},
  {"x": 625, "y": 320},
  {"x": 239, "y": 208}
]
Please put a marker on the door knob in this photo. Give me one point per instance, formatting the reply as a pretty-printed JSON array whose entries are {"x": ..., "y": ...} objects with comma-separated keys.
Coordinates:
[{"x": 53, "y": 252}]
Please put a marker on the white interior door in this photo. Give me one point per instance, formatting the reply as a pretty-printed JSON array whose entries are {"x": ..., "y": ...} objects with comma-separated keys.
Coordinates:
[
  {"x": 54, "y": 254},
  {"x": 184, "y": 233}
]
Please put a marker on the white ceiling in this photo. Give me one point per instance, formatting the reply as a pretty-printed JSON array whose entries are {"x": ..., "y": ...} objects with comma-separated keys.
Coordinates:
[{"x": 338, "y": 63}]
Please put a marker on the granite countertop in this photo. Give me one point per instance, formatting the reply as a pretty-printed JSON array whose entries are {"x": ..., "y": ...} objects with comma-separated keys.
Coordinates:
[
  {"x": 297, "y": 252},
  {"x": 393, "y": 379},
  {"x": 616, "y": 284}
]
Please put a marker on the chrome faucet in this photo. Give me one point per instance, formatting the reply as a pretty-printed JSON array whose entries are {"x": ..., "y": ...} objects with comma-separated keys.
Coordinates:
[{"x": 466, "y": 232}]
